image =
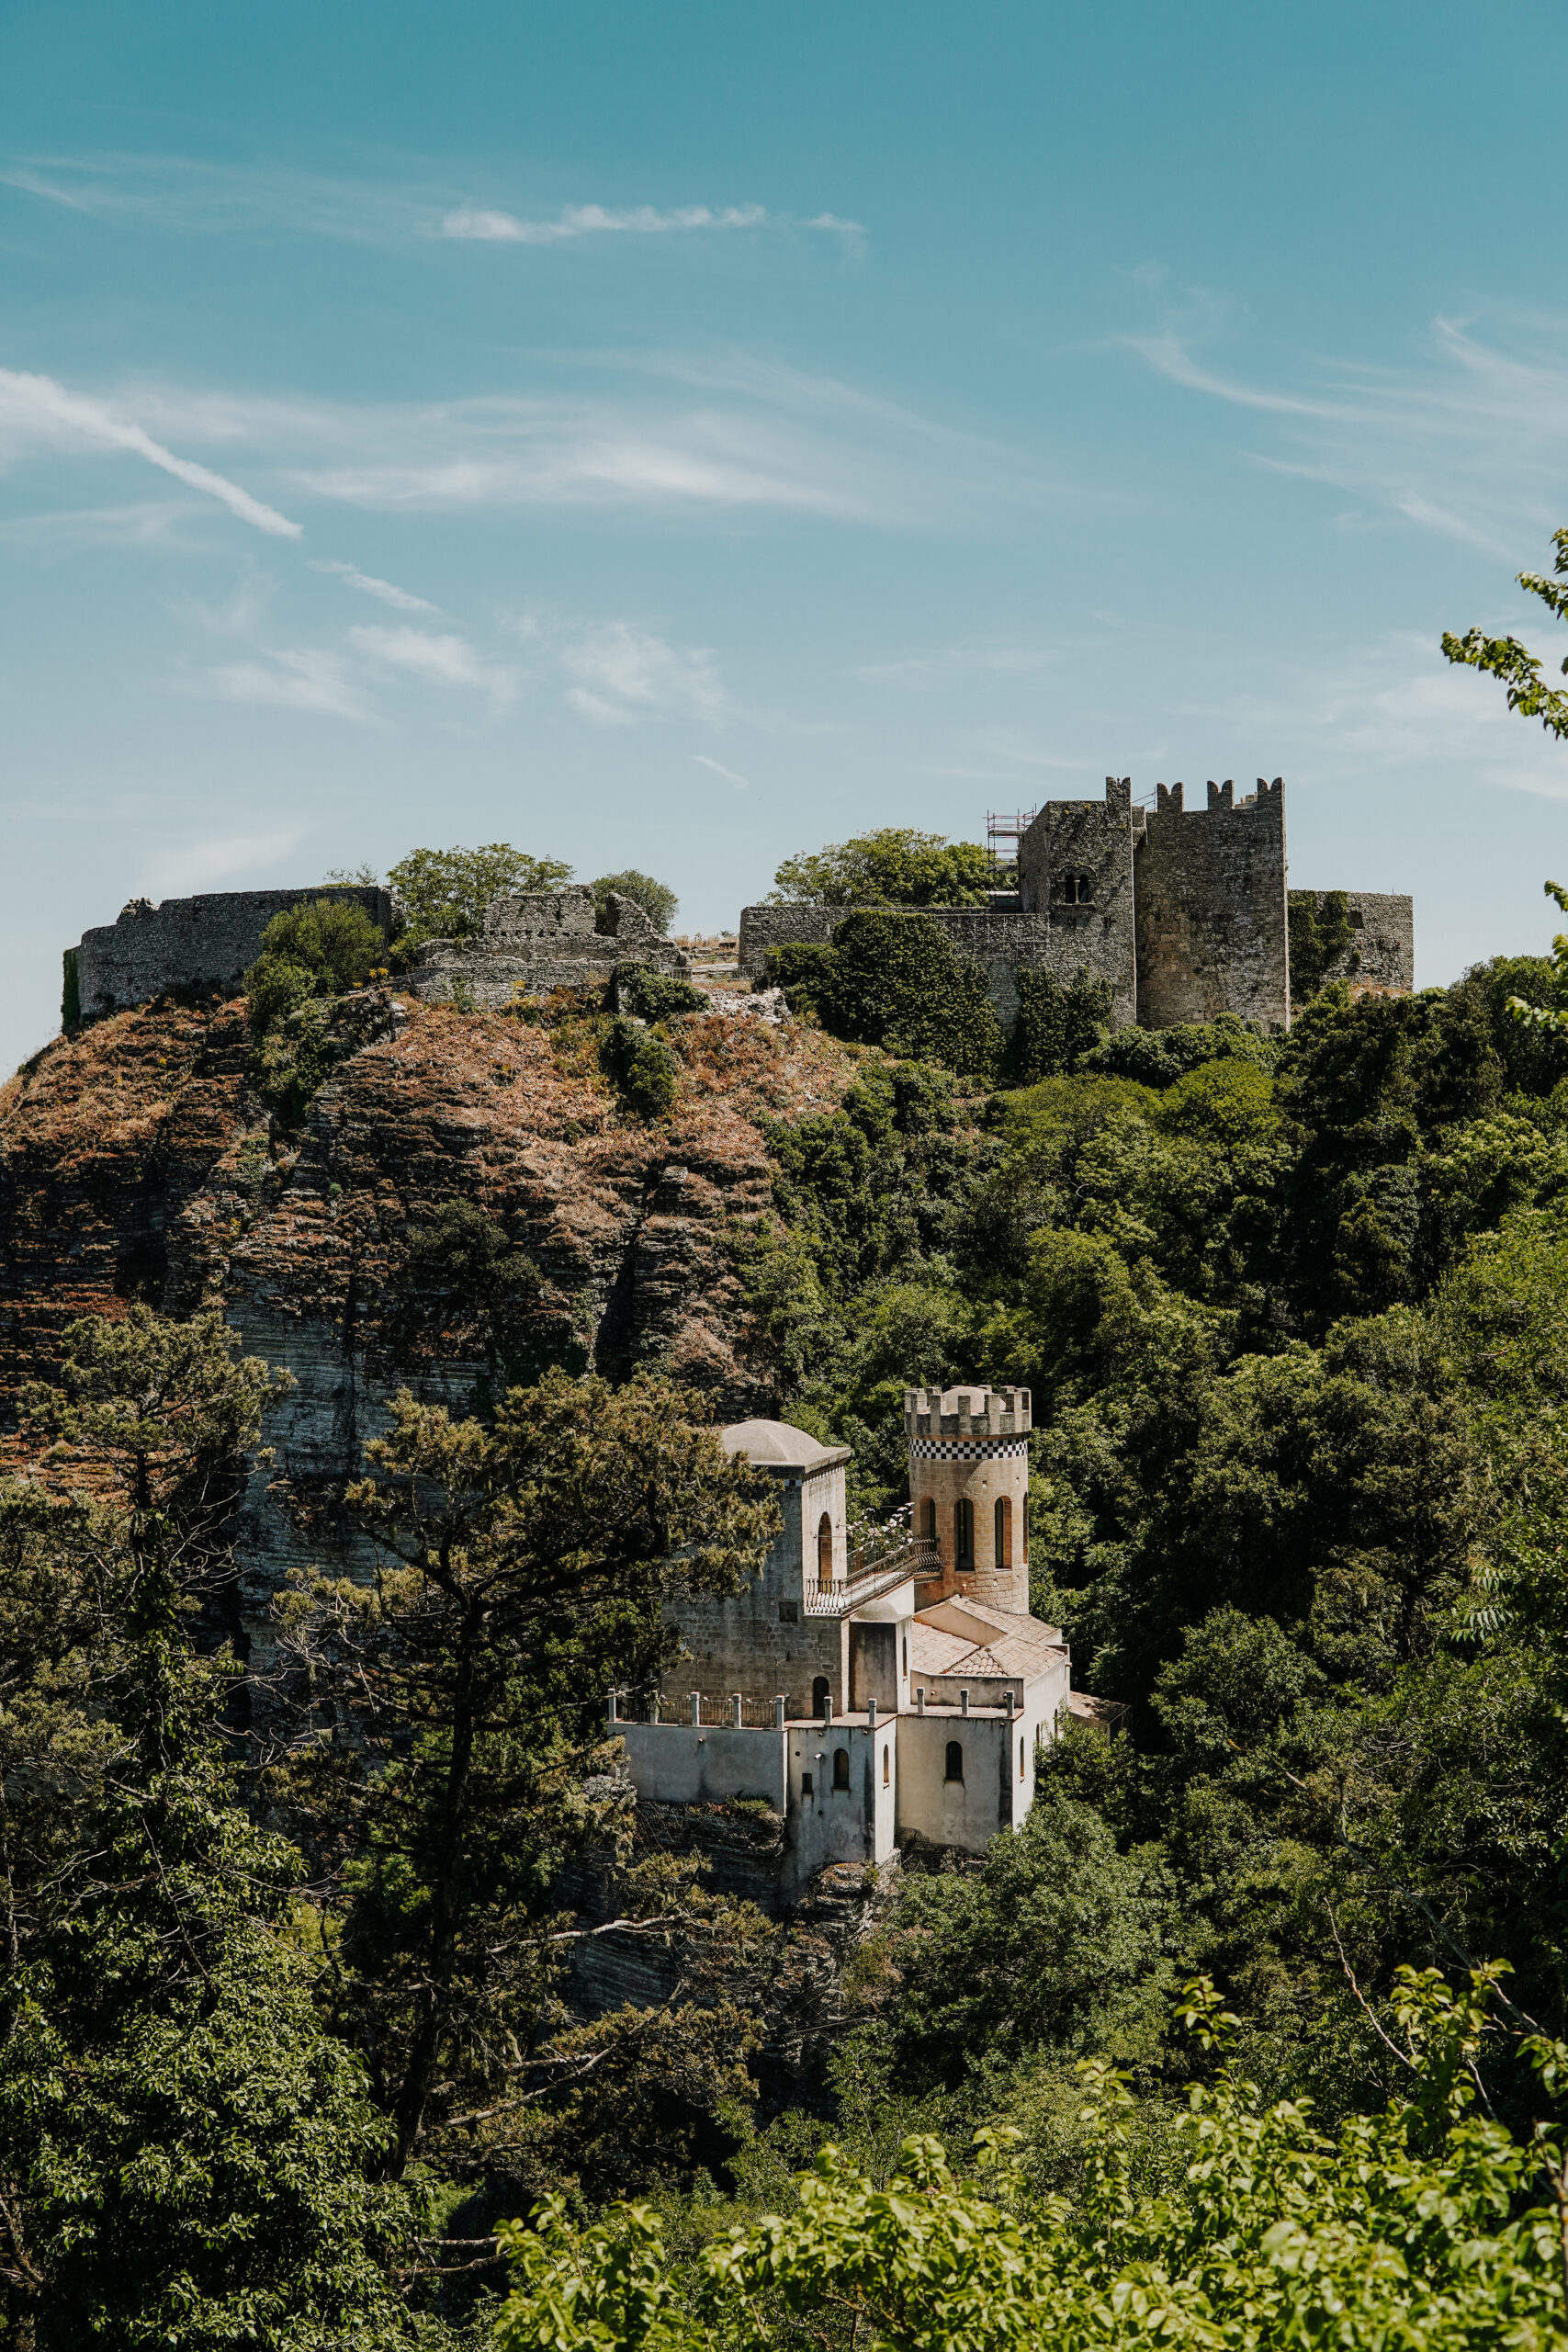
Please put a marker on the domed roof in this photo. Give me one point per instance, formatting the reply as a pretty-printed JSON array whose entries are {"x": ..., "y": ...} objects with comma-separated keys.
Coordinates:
[
  {"x": 888, "y": 1608},
  {"x": 778, "y": 1445}
]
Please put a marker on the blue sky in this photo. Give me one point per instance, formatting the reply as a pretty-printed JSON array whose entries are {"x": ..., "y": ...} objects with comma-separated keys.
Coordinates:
[{"x": 679, "y": 435}]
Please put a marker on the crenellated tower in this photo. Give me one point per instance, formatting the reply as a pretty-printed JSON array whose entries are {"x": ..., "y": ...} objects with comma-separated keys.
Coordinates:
[{"x": 969, "y": 1490}]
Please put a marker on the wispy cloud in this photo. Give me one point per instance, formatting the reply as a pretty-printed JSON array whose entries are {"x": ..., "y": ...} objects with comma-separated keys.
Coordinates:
[
  {"x": 1469, "y": 439},
  {"x": 622, "y": 676},
  {"x": 303, "y": 678},
  {"x": 437, "y": 661},
  {"x": 599, "y": 219},
  {"x": 722, "y": 435},
  {"x": 141, "y": 523},
  {"x": 741, "y": 783},
  {"x": 384, "y": 591},
  {"x": 176, "y": 193},
  {"x": 35, "y": 411}
]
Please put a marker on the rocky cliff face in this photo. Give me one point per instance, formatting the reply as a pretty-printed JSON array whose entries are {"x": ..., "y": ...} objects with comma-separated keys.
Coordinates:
[{"x": 137, "y": 1162}]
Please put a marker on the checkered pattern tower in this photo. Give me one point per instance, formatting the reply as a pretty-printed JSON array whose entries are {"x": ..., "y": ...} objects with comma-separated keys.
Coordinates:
[{"x": 969, "y": 1490}]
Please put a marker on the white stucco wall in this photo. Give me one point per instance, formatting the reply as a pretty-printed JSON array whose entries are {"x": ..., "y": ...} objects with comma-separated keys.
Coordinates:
[
  {"x": 856, "y": 1824},
  {"x": 680, "y": 1764},
  {"x": 970, "y": 1812}
]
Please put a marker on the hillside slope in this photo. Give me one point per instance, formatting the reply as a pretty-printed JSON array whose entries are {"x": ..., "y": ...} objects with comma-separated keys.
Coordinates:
[{"x": 137, "y": 1162}]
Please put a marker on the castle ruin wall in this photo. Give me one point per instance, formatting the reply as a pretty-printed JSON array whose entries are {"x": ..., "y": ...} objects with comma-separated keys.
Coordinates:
[
  {"x": 535, "y": 941},
  {"x": 1380, "y": 958},
  {"x": 205, "y": 941}
]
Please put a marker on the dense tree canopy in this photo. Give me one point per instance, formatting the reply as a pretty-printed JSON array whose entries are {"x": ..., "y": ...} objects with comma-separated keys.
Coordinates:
[{"x": 894, "y": 867}]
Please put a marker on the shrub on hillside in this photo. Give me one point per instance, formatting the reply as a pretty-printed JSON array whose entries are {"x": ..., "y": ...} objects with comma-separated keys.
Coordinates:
[
  {"x": 896, "y": 981},
  {"x": 332, "y": 939},
  {"x": 640, "y": 1064},
  {"x": 652, "y": 995},
  {"x": 1058, "y": 1022},
  {"x": 1159, "y": 1056}
]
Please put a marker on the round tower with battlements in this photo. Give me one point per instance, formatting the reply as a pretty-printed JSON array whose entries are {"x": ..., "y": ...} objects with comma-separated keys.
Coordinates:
[{"x": 969, "y": 1490}]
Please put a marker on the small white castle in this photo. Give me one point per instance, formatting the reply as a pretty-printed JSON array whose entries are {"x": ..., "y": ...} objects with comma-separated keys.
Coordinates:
[{"x": 898, "y": 1691}]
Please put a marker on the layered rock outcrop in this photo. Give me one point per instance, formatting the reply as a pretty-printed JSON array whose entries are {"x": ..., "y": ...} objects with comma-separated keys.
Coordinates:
[{"x": 137, "y": 1162}]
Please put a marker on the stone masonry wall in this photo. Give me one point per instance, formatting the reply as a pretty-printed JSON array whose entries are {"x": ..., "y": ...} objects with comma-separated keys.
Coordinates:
[
  {"x": 761, "y": 1641},
  {"x": 193, "y": 942},
  {"x": 1075, "y": 867},
  {"x": 1211, "y": 909},
  {"x": 536, "y": 940},
  {"x": 1380, "y": 958}
]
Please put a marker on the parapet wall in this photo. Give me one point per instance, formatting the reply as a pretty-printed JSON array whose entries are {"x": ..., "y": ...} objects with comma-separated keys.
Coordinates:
[{"x": 205, "y": 941}]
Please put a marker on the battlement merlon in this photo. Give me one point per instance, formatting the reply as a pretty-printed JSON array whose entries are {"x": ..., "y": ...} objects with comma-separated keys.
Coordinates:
[{"x": 967, "y": 1412}]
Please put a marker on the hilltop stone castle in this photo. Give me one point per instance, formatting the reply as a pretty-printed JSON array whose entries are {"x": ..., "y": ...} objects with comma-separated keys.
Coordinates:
[
  {"x": 881, "y": 1696},
  {"x": 1184, "y": 912}
]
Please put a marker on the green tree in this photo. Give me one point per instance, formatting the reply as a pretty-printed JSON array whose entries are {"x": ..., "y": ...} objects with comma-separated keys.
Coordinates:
[
  {"x": 894, "y": 867},
  {"x": 1058, "y": 1022},
  {"x": 1411, "y": 2227},
  {"x": 1047, "y": 1944},
  {"x": 1507, "y": 657},
  {"x": 448, "y": 1711},
  {"x": 183, "y": 2149},
  {"x": 657, "y": 900},
  {"x": 445, "y": 891},
  {"x": 896, "y": 981}
]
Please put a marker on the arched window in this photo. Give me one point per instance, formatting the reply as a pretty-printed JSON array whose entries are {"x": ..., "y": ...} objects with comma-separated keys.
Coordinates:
[
  {"x": 1020, "y": 1759},
  {"x": 824, "y": 1553},
  {"x": 964, "y": 1535},
  {"x": 954, "y": 1761},
  {"x": 819, "y": 1696},
  {"x": 906, "y": 1657},
  {"x": 1026, "y": 1527},
  {"x": 1004, "y": 1532},
  {"x": 887, "y": 1770},
  {"x": 928, "y": 1518},
  {"x": 842, "y": 1770}
]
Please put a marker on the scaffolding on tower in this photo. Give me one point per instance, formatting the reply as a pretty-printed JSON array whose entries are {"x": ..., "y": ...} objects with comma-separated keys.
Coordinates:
[{"x": 1001, "y": 827}]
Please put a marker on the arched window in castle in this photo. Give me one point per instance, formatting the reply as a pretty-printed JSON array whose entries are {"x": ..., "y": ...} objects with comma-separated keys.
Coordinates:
[
  {"x": 928, "y": 1518},
  {"x": 1025, "y": 1552},
  {"x": 820, "y": 1697},
  {"x": 887, "y": 1770},
  {"x": 1020, "y": 1759},
  {"x": 1004, "y": 1532},
  {"x": 954, "y": 1761},
  {"x": 824, "y": 1553},
  {"x": 963, "y": 1534},
  {"x": 906, "y": 1657},
  {"x": 842, "y": 1770},
  {"x": 1075, "y": 889}
]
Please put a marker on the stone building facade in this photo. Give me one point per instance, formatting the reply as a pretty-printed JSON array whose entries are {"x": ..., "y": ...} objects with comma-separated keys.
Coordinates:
[
  {"x": 1182, "y": 912},
  {"x": 878, "y": 1695}
]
